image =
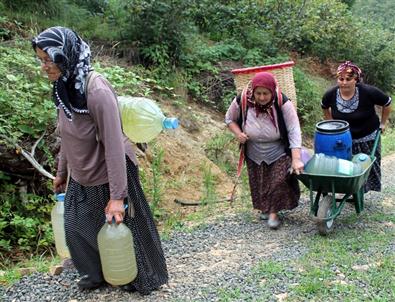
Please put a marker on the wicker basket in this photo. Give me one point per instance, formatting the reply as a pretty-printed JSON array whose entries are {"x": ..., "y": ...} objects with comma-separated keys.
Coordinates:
[{"x": 282, "y": 72}]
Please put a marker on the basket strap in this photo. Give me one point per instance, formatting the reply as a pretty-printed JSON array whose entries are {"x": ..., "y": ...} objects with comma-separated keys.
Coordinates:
[
  {"x": 243, "y": 107},
  {"x": 279, "y": 94},
  {"x": 241, "y": 161},
  {"x": 244, "y": 103}
]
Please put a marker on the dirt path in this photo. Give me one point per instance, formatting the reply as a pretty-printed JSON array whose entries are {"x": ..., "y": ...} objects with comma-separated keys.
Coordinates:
[
  {"x": 219, "y": 258},
  {"x": 240, "y": 240}
]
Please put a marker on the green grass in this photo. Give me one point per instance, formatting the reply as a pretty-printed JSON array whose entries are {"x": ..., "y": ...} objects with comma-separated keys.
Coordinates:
[
  {"x": 12, "y": 273},
  {"x": 388, "y": 142},
  {"x": 348, "y": 265}
]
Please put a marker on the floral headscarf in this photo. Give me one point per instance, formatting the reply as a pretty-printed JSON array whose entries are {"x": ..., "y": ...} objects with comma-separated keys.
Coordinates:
[
  {"x": 351, "y": 69},
  {"x": 72, "y": 55}
]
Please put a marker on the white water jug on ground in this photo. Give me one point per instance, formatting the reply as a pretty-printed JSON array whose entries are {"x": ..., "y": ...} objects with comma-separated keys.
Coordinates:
[{"x": 57, "y": 219}]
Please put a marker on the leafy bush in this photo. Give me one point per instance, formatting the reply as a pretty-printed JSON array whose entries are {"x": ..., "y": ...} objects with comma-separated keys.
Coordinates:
[
  {"x": 26, "y": 111},
  {"x": 48, "y": 8},
  {"x": 374, "y": 52},
  {"x": 23, "y": 224},
  {"x": 25, "y": 4},
  {"x": 324, "y": 29},
  {"x": 223, "y": 150},
  {"x": 221, "y": 20},
  {"x": 25, "y": 105},
  {"x": 158, "y": 27},
  {"x": 93, "y": 6},
  {"x": 380, "y": 11},
  {"x": 309, "y": 96}
]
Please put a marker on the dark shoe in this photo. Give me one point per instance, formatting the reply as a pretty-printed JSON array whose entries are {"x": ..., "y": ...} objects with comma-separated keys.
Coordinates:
[
  {"x": 68, "y": 263},
  {"x": 132, "y": 289},
  {"x": 273, "y": 223},
  {"x": 86, "y": 283},
  {"x": 264, "y": 216},
  {"x": 129, "y": 288}
]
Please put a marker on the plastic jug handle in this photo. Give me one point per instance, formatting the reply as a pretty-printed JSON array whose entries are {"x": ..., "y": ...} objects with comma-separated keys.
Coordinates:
[{"x": 113, "y": 218}]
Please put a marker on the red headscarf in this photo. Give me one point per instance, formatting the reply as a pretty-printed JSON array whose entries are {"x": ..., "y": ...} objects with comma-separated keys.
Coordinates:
[
  {"x": 264, "y": 79},
  {"x": 268, "y": 81}
]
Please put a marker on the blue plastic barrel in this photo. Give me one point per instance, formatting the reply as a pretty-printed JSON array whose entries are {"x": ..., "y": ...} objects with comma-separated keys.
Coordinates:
[{"x": 333, "y": 138}]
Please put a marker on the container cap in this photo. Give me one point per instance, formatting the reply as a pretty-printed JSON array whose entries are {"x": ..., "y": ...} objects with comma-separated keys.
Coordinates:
[
  {"x": 332, "y": 126},
  {"x": 170, "y": 123},
  {"x": 362, "y": 157},
  {"x": 60, "y": 196}
]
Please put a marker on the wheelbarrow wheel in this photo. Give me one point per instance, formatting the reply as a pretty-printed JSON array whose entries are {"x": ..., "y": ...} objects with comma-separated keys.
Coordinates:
[{"x": 324, "y": 211}]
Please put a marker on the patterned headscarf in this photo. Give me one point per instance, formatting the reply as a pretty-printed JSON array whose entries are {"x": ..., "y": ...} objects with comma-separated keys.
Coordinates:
[
  {"x": 351, "y": 69},
  {"x": 72, "y": 55}
]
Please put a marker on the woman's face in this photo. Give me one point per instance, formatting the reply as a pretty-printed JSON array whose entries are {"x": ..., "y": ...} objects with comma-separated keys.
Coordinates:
[
  {"x": 262, "y": 95},
  {"x": 346, "y": 82},
  {"x": 52, "y": 70}
]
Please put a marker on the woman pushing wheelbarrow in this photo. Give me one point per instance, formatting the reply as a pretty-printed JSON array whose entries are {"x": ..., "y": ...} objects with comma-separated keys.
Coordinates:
[{"x": 354, "y": 103}]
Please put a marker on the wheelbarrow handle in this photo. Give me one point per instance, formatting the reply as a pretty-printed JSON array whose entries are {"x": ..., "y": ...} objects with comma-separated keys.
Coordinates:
[{"x": 376, "y": 142}]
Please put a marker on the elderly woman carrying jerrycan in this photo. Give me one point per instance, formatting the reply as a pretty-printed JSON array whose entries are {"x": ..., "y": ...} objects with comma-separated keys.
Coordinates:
[{"x": 104, "y": 173}]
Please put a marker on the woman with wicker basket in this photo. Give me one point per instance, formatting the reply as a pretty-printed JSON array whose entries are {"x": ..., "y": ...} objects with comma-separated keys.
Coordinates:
[
  {"x": 354, "y": 102},
  {"x": 267, "y": 126}
]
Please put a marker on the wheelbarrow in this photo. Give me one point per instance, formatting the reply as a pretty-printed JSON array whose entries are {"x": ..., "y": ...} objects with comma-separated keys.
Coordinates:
[{"x": 333, "y": 191}]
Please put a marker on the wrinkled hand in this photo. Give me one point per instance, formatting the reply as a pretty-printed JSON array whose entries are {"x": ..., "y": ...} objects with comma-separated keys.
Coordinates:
[
  {"x": 115, "y": 209},
  {"x": 242, "y": 137},
  {"x": 297, "y": 166},
  {"x": 59, "y": 184}
]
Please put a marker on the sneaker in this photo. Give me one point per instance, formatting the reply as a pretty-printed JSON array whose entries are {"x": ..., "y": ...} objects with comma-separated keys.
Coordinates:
[{"x": 273, "y": 223}]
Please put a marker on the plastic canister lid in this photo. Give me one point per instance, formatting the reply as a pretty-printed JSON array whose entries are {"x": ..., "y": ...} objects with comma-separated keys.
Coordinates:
[
  {"x": 332, "y": 126},
  {"x": 170, "y": 123},
  {"x": 60, "y": 196},
  {"x": 362, "y": 157}
]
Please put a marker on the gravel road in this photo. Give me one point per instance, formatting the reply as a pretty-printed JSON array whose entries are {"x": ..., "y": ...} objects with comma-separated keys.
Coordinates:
[{"x": 219, "y": 254}]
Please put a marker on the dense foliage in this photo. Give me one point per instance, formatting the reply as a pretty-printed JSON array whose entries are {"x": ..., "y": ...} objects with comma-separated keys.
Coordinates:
[
  {"x": 376, "y": 12},
  {"x": 165, "y": 32},
  {"x": 187, "y": 43}
]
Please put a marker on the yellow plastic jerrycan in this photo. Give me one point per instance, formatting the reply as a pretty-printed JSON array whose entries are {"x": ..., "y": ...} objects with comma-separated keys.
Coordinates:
[
  {"x": 57, "y": 220},
  {"x": 117, "y": 253},
  {"x": 142, "y": 119}
]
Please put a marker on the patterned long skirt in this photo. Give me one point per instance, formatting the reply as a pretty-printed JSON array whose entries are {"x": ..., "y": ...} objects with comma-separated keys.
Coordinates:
[
  {"x": 272, "y": 187},
  {"x": 84, "y": 217},
  {"x": 373, "y": 182}
]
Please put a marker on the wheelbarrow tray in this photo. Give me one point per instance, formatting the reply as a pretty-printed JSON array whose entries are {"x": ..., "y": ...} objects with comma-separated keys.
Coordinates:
[
  {"x": 338, "y": 183},
  {"x": 351, "y": 187},
  {"x": 328, "y": 186}
]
